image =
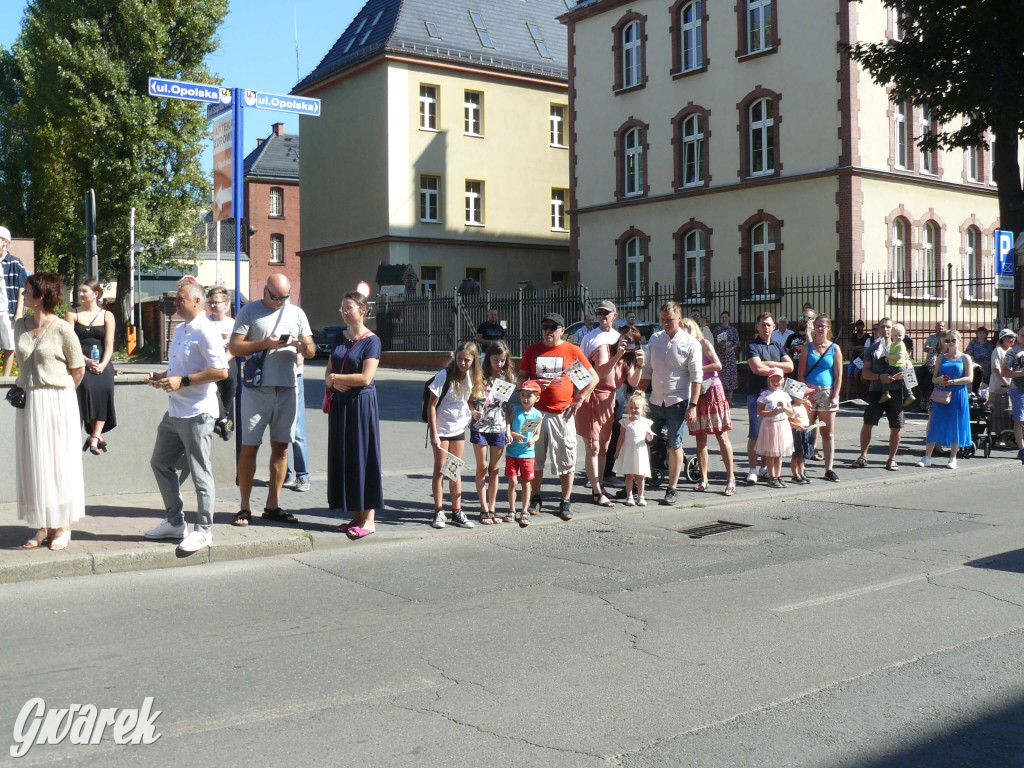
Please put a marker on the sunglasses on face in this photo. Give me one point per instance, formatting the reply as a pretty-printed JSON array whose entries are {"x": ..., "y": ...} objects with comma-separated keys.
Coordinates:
[
  {"x": 272, "y": 297},
  {"x": 603, "y": 312},
  {"x": 546, "y": 327}
]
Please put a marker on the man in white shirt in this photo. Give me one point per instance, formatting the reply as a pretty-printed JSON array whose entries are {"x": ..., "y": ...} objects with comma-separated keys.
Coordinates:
[
  {"x": 781, "y": 334},
  {"x": 604, "y": 333},
  {"x": 674, "y": 367},
  {"x": 196, "y": 362}
]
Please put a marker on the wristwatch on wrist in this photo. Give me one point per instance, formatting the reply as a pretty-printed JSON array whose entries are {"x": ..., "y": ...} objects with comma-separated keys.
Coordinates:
[{"x": 186, "y": 381}]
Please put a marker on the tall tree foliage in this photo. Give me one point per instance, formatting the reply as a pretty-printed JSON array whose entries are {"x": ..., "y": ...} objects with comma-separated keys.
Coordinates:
[
  {"x": 964, "y": 60},
  {"x": 75, "y": 115}
]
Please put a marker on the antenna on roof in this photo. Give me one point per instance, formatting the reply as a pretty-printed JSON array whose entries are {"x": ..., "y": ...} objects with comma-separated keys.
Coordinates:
[{"x": 298, "y": 76}]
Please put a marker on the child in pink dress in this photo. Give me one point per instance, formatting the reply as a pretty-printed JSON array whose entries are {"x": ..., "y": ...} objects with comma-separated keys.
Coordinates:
[{"x": 775, "y": 439}]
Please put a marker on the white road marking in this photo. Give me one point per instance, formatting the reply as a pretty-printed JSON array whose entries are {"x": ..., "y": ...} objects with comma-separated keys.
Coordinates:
[{"x": 864, "y": 590}]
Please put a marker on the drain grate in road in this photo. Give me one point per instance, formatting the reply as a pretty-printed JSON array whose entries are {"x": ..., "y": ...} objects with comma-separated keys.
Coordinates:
[{"x": 710, "y": 529}]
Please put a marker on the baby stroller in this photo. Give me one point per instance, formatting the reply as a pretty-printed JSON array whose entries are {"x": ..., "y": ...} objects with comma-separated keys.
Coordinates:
[
  {"x": 980, "y": 415},
  {"x": 659, "y": 461}
]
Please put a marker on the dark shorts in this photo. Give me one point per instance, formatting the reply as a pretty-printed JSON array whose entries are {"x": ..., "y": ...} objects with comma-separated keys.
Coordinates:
[
  {"x": 803, "y": 444},
  {"x": 753, "y": 419},
  {"x": 454, "y": 438},
  {"x": 493, "y": 439},
  {"x": 892, "y": 408},
  {"x": 674, "y": 418}
]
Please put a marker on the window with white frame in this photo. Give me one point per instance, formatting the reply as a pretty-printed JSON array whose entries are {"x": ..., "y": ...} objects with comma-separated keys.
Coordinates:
[
  {"x": 901, "y": 273},
  {"x": 929, "y": 252},
  {"x": 693, "y": 264},
  {"x": 926, "y": 127},
  {"x": 972, "y": 262},
  {"x": 902, "y": 129},
  {"x": 759, "y": 25},
  {"x": 693, "y": 151},
  {"x": 430, "y": 198},
  {"x": 691, "y": 36},
  {"x": 430, "y": 280},
  {"x": 558, "y": 210},
  {"x": 633, "y": 162},
  {"x": 973, "y": 163},
  {"x": 432, "y": 30},
  {"x": 481, "y": 29},
  {"x": 762, "y": 137},
  {"x": 277, "y": 249},
  {"x": 557, "y": 121},
  {"x": 634, "y": 257},
  {"x": 538, "y": 39},
  {"x": 276, "y": 202},
  {"x": 474, "y": 113},
  {"x": 428, "y": 107},
  {"x": 899, "y": 23},
  {"x": 762, "y": 245},
  {"x": 631, "y": 59},
  {"x": 475, "y": 203}
]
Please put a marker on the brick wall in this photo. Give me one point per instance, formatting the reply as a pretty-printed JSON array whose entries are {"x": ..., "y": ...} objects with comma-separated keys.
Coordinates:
[{"x": 257, "y": 206}]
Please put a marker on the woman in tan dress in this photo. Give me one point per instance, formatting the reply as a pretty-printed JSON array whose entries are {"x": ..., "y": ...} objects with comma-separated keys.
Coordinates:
[{"x": 51, "y": 486}]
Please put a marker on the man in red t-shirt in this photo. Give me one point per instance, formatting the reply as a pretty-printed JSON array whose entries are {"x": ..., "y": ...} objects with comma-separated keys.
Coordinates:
[{"x": 546, "y": 362}]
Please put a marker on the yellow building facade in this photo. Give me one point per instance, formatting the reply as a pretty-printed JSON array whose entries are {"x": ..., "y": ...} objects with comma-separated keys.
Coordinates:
[
  {"x": 721, "y": 140},
  {"x": 446, "y": 159}
]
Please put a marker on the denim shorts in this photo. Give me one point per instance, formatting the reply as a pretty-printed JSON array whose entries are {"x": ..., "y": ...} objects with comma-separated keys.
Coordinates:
[
  {"x": 753, "y": 420},
  {"x": 1017, "y": 402},
  {"x": 672, "y": 416},
  {"x": 493, "y": 439}
]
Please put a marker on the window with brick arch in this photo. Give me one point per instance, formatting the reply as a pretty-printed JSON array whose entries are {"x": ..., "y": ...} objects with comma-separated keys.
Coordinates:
[{"x": 277, "y": 249}]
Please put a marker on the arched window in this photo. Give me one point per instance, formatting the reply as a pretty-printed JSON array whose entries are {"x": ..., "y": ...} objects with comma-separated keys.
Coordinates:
[
  {"x": 633, "y": 162},
  {"x": 900, "y": 267},
  {"x": 277, "y": 249},
  {"x": 692, "y": 36},
  {"x": 631, "y": 59},
  {"x": 694, "y": 264},
  {"x": 762, "y": 137},
  {"x": 762, "y": 245},
  {"x": 634, "y": 257},
  {"x": 276, "y": 201},
  {"x": 693, "y": 151}
]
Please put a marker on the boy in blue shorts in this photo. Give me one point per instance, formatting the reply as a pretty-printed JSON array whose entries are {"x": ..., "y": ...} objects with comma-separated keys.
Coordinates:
[{"x": 519, "y": 454}]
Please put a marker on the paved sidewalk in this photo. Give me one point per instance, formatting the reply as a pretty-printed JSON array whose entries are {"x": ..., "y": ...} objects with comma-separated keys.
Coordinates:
[{"x": 109, "y": 539}]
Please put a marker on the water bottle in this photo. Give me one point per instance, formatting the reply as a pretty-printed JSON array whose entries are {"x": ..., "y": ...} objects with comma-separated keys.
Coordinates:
[{"x": 94, "y": 354}]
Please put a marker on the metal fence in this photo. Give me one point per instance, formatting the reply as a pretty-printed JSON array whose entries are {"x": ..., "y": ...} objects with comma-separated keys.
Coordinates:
[{"x": 441, "y": 322}]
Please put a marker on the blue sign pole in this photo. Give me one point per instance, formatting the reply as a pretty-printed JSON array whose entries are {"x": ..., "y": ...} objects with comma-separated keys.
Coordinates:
[{"x": 237, "y": 210}]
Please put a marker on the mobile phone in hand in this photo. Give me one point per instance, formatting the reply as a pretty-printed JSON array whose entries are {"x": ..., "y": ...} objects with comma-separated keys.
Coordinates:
[{"x": 286, "y": 338}]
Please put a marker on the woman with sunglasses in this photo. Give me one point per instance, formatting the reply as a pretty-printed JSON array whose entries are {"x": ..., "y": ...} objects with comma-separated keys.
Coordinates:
[{"x": 950, "y": 422}]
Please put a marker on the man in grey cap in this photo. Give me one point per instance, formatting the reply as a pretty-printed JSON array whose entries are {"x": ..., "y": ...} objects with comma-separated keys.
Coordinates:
[
  {"x": 604, "y": 333},
  {"x": 12, "y": 278},
  {"x": 546, "y": 362}
]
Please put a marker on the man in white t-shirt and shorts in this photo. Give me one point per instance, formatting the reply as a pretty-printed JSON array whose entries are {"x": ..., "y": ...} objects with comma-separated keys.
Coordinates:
[{"x": 277, "y": 331}]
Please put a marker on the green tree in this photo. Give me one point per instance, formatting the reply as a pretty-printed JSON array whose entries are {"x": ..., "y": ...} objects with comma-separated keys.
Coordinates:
[
  {"x": 75, "y": 114},
  {"x": 965, "y": 61}
]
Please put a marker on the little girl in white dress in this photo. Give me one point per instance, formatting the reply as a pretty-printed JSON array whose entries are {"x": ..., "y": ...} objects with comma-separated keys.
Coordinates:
[
  {"x": 775, "y": 438},
  {"x": 633, "y": 459}
]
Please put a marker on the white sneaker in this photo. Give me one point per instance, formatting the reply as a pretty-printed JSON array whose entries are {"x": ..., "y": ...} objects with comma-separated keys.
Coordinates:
[
  {"x": 752, "y": 478},
  {"x": 629, "y": 500},
  {"x": 459, "y": 518},
  {"x": 641, "y": 501},
  {"x": 196, "y": 541},
  {"x": 440, "y": 519},
  {"x": 951, "y": 464},
  {"x": 167, "y": 531},
  {"x": 925, "y": 462}
]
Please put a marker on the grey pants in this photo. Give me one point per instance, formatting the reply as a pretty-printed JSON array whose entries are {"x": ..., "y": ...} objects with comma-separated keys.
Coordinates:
[{"x": 188, "y": 439}]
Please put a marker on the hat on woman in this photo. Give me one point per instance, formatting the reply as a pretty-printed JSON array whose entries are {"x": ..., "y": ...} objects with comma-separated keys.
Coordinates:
[{"x": 1006, "y": 332}]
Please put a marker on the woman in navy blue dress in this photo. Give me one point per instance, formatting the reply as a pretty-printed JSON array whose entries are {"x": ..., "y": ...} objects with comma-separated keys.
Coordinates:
[{"x": 354, "y": 482}]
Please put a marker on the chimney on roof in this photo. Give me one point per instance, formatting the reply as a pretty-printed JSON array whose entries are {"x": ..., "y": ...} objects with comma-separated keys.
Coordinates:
[
  {"x": 259, "y": 142},
  {"x": 278, "y": 129}
]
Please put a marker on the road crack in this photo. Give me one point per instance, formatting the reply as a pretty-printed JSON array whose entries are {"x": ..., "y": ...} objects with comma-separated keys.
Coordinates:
[
  {"x": 403, "y": 598},
  {"x": 972, "y": 589},
  {"x": 634, "y": 637}
]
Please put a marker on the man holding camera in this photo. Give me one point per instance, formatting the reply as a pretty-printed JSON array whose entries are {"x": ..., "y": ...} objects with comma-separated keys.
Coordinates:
[{"x": 273, "y": 332}]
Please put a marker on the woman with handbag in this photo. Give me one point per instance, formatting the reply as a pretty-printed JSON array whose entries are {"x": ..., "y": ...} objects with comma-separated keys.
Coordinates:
[
  {"x": 50, "y": 482},
  {"x": 713, "y": 414},
  {"x": 354, "y": 483},
  {"x": 950, "y": 423},
  {"x": 822, "y": 368}
]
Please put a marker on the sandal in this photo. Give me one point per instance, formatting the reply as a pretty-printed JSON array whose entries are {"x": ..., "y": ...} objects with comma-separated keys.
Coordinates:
[
  {"x": 242, "y": 517},
  {"x": 494, "y": 520},
  {"x": 598, "y": 495},
  {"x": 61, "y": 540},
  {"x": 730, "y": 488},
  {"x": 486, "y": 518},
  {"x": 509, "y": 518},
  {"x": 278, "y": 515},
  {"x": 701, "y": 486},
  {"x": 41, "y": 539},
  {"x": 892, "y": 466},
  {"x": 524, "y": 520},
  {"x": 94, "y": 445},
  {"x": 859, "y": 463}
]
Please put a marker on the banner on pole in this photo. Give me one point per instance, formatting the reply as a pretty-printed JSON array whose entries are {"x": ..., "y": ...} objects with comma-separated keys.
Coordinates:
[{"x": 222, "y": 144}]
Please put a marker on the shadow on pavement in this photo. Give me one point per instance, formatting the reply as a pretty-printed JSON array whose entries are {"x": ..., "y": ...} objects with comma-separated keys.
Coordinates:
[{"x": 1012, "y": 562}]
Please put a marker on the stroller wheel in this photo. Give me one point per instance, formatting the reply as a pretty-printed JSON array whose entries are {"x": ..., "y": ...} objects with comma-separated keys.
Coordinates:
[
  {"x": 693, "y": 470},
  {"x": 988, "y": 446},
  {"x": 657, "y": 477},
  {"x": 967, "y": 452}
]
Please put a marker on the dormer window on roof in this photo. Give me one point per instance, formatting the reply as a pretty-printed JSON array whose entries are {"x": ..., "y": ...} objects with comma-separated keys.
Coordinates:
[
  {"x": 432, "y": 30},
  {"x": 481, "y": 30},
  {"x": 538, "y": 39}
]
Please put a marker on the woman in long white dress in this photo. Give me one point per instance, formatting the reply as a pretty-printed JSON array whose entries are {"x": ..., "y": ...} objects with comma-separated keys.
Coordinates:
[{"x": 51, "y": 486}]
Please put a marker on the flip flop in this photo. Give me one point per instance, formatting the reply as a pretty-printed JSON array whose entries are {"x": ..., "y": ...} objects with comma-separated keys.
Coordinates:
[{"x": 355, "y": 532}]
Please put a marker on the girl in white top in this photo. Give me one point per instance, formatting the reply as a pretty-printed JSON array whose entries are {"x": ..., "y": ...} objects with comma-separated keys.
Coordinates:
[
  {"x": 775, "y": 439},
  {"x": 448, "y": 415},
  {"x": 632, "y": 458}
]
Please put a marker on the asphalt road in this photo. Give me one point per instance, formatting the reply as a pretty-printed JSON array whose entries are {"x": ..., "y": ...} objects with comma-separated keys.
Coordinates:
[{"x": 875, "y": 626}]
